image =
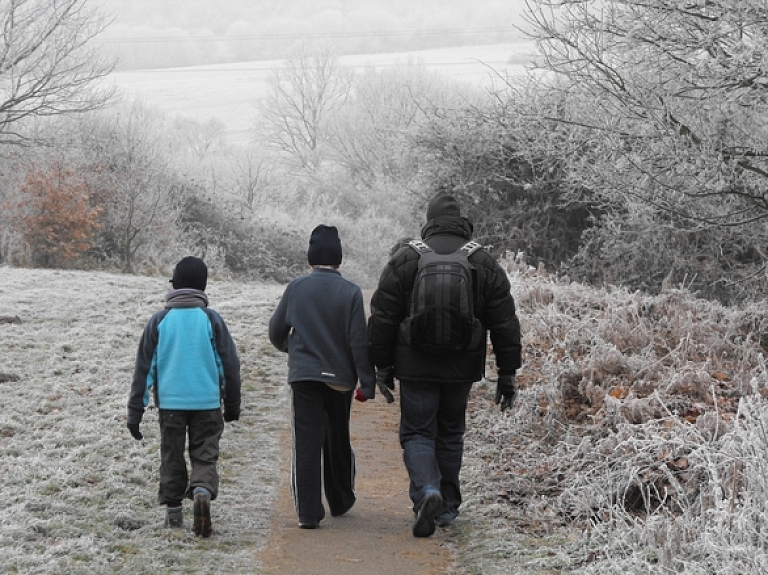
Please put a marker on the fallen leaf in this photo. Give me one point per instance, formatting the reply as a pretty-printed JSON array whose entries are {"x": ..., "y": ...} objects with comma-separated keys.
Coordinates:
[{"x": 618, "y": 393}]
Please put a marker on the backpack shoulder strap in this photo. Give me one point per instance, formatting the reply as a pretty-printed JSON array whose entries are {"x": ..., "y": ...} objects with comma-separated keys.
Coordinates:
[
  {"x": 469, "y": 248},
  {"x": 419, "y": 246}
]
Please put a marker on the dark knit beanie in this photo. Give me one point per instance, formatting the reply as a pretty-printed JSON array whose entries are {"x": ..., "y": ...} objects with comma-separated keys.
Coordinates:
[
  {"x": 190, "y": 272},
  {"x": 442, "y": 205},
  {"x": 324, "y": 246}
]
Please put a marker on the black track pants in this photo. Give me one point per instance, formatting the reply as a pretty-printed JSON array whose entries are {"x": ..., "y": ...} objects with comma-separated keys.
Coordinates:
[{"x": 322, "y": 452}]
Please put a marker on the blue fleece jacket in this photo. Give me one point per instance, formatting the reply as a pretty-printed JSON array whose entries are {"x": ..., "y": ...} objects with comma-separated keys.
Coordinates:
[{"x": 188, "y": 360}]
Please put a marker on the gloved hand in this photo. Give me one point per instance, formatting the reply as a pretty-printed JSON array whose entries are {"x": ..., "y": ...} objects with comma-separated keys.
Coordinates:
[
  {"x": 506, "y": 391},
  {"x": 385, "y": 380},
  {"x": 134, "y": 429},
  {"x": 359, "y": 395},
  {"x": 231, "y": 413}
]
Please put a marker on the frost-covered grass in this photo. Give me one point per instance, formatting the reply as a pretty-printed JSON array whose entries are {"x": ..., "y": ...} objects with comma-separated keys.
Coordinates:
[
  {"x": 639, "y": 443},
  {"x": 78, "y": 493}
]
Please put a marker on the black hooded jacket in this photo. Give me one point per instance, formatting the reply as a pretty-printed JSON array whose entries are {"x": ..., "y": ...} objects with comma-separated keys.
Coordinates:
[{"x": 495, "y": 308}]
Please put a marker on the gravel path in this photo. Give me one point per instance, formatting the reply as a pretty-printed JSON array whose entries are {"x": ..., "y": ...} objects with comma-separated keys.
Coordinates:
[{"x": 375, "y": 536}]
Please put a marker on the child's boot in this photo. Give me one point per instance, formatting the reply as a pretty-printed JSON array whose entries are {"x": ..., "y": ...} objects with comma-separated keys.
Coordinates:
[
  {"x": 202, "y": 522},
  {"x": 174, "y": 517}
]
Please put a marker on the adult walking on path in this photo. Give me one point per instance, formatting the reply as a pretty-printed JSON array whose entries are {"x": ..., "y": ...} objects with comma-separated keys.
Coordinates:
[{"x": 437, "y": 299}]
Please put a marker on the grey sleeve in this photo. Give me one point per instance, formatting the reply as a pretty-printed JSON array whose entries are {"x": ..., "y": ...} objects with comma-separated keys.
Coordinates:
[
  {"x": 278, "y": 324},
  {"x": 144, "y": 356},
  {"x": 358, "y": 339},
  {"x": 230, "y": 363}
]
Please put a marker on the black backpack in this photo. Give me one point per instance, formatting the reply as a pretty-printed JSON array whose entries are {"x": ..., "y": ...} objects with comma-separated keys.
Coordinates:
[{"x": 441, "y": 315}]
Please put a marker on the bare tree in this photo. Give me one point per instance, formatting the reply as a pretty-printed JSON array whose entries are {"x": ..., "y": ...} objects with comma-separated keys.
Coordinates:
[
  {"x": 250, "y": 180},
  {"x": 303, "y": 97},
  {"x": 371, "y": 136},
  {"x": 669, "y": 100},
  {"x": 658, "y": 112},
  {"x": 140, "y": 199},
  {"x": 48, "y": 65},
  {"x": 200, "y": 138}
]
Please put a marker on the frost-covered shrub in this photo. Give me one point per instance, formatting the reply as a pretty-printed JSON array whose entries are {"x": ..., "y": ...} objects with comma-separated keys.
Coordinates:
[{"x": 638, "y": 443}]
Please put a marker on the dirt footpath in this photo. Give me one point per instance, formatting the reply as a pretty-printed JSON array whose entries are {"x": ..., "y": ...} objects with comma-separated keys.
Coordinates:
[{"x": 375, "y": 536}]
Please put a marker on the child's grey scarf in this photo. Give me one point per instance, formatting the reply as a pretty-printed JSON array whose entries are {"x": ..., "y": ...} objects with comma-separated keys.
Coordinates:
[{"x": 185, "y": 297}]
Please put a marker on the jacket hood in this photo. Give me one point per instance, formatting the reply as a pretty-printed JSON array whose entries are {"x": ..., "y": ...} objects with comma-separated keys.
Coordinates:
[{"x": 454, "y": 225}]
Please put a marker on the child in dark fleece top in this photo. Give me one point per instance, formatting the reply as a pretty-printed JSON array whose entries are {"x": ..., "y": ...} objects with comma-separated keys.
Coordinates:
[{"x": 320, "y": 321}]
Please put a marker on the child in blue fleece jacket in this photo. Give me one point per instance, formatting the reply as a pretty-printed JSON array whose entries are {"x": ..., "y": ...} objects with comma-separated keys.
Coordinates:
[
  {"x": 188, "y": 361},
  {"x": 320, "y": 322}
]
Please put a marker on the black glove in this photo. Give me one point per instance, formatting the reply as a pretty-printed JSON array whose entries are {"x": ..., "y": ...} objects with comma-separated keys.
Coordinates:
[
  {"x": 134, "y": 429},
  {"x": 385, "y": 380},
  {"x": 506, "y": 391},
  {"x": 231, "y": 413}
]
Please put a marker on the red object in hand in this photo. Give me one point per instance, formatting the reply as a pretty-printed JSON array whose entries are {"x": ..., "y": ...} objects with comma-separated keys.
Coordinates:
[{"x": 359, "y": 395}]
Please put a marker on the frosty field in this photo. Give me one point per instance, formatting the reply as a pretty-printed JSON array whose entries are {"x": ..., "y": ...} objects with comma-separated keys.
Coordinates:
[
  {"x": 230, "y": 93},
  {"x": 79, "y": 494},
  {"x": 638, "y": 444}
]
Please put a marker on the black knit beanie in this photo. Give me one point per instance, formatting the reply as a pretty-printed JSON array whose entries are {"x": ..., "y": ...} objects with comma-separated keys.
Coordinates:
[
  {"x": 442, "y": 205},
  {"x": 190, "y": 272},
  {"x": 324, "y": 246}
]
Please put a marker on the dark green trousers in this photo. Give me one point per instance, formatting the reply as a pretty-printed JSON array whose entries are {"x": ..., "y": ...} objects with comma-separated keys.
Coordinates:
[{"x": 203, "y": 429}]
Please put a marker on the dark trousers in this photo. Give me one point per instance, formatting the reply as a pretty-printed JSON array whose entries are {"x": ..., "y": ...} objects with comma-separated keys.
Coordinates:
[
  {"x": 322, "y": 451},
  {"x": 204, "y": 429},
  {"x": 432, "y": 426}
]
